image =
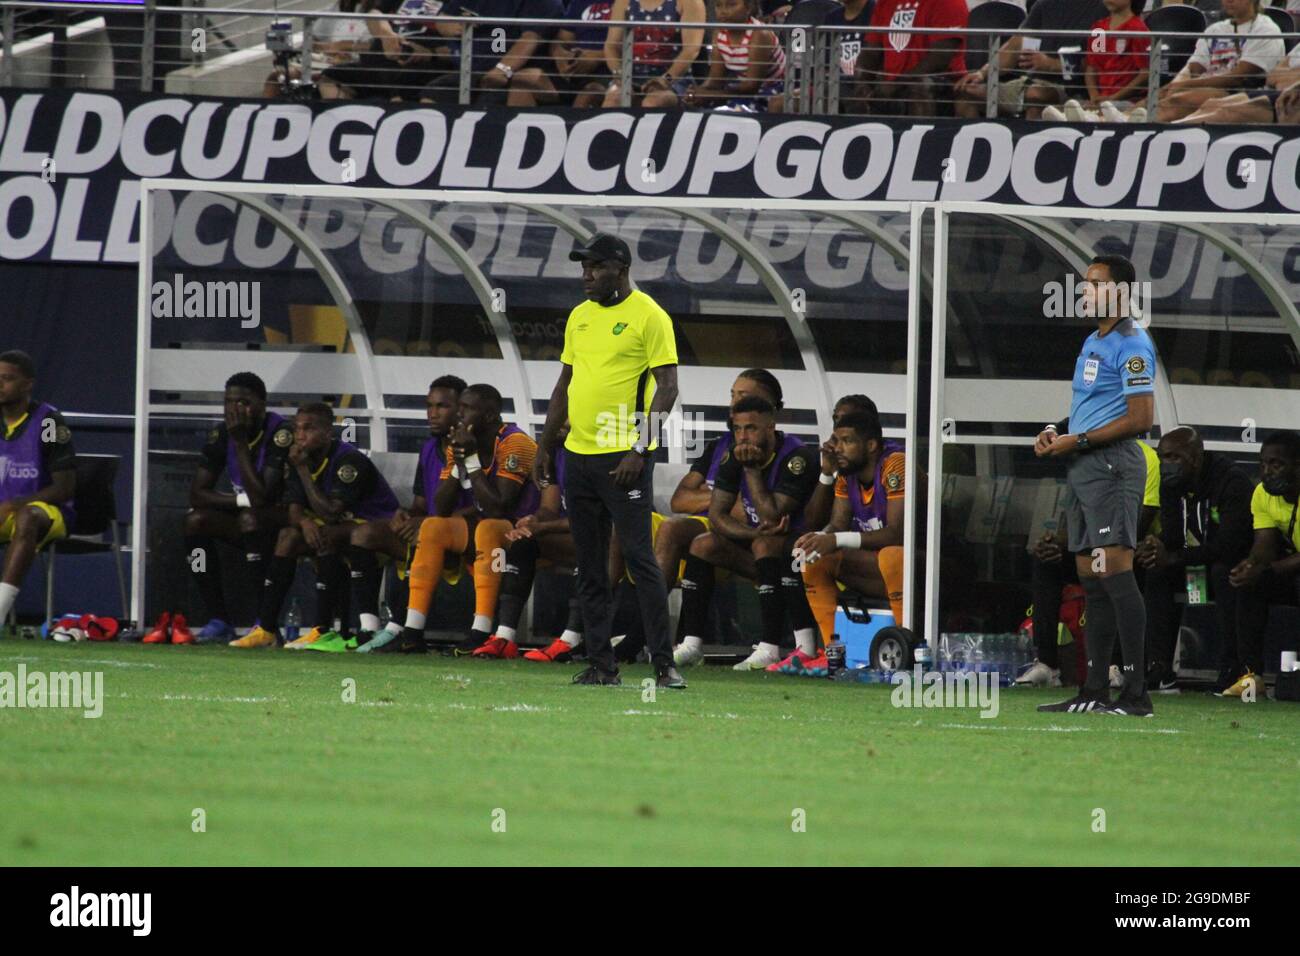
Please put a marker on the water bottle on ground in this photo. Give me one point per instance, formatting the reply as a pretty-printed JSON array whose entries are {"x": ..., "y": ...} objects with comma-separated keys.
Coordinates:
[{"x": 834, "y": 657}]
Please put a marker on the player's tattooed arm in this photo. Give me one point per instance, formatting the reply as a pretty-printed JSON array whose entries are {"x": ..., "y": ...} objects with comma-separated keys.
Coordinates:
[{"x": 721, "y": 519}]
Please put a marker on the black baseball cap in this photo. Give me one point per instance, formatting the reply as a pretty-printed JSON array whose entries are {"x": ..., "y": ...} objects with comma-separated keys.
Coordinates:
[{"x": 602, "y": 247}]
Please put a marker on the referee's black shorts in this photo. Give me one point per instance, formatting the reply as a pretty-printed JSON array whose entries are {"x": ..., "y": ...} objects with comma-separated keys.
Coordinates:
[{"x": 1103, "y": 499}]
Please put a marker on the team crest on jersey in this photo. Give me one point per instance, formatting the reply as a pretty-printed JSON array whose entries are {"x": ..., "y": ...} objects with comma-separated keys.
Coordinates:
[
  {"x": 283, "y": 438},
  {"x": 619, "y": 327},
  {"x": 1136, "y": 365},
  {"x": 62, "y": 434},
  {"x": 892, "y": 481},
  {"x": 904, "y": 17},
  {"x": 796, "y": 464},
  {"x": 512, "y": 463},
  {"x": 347, "y": 473}
]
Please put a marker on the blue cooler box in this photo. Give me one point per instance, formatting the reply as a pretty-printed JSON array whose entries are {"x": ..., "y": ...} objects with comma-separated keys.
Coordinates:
[{"x": 859, "y": 631}]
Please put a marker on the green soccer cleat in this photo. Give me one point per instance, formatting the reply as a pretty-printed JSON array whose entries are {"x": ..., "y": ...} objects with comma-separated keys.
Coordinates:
[{"x": 332, "y": 643}]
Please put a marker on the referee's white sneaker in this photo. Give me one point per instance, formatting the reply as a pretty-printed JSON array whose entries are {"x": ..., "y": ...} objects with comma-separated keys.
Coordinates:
[
  {"x": 764, "y": 654},
  {"x": 1039, "y": 675}
]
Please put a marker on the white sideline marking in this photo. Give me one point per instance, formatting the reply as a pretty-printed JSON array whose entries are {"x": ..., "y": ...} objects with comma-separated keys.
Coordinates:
[
  {"x": 1056, "y": 729},
  {"x": 89, "y": 660}
]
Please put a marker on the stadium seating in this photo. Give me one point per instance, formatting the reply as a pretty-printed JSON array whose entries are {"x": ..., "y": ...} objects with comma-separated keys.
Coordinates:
[
  {"x": 992, "y": 15},
  {"x": 1175, "y": 19}
]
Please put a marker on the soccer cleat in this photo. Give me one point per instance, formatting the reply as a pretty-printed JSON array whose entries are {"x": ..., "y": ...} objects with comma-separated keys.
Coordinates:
[
  {"x": 794, "y": 664},
  {"x": 685, "y": 655},
  {"x": 818, "y": 666},
  {"x": 411, "y": 641},
  {"x": 332, "y": 643},
  {"x": 757, "y": 661},
  {"x": 593, "y": 675},
  {"x": 1246, "y": 680},
  {"x": 180, "y": 630},
  {"x": 1116, "y": 678},
  {"x": 1160, "y": 680},
  {"x": 257, "y": 637},
  {"x": 161, "y": 633},
  {"x": 99, "y": 628},
  {"x": 668, "y": 677},
  {"x": 1129, "y": 708},
  {"x": 215, "y": 631},
  {"x": 556, "y": 652},
  {"x": 497, "y": 647},
  {"x": 472, "y": 642},
  {"x": 1080, "y": 704},
  {"x": 303, "y": 640},
  {"x": 1039, "y": 675},
  {"x": 378, "y": 641}
]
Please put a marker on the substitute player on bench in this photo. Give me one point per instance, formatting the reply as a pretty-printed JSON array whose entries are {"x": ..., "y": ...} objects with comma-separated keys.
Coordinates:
[
  {"x": 862, "y": 546},
  {"x": 249, "y": 446},
  {"x": 37, "y": 475},
  {"x": 774, "y": 474},
  {"x": 484, "y": 489},
  {"x": 332, "y": 488},
  {"x": 1112, "y": 405}
]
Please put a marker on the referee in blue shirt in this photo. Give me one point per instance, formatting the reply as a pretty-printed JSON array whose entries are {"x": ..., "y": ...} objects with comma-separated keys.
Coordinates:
[{"x": 1112, "y": 406}]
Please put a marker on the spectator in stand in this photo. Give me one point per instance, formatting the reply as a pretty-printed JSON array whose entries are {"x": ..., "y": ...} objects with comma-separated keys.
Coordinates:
[
  {"x": 1278, "y": 102},
  {"x": 1045, "y": 82},
  {"x": 492, "y": 72},
  {"x": 1235, "y": 56},
  {"x": 1114, "y": 70},
  {"x": 335, "y": 41},
  {"x": 663, "y": 51},
  {"x": 578, "y": 74},
  {"x": 854, "y": 13},
  {"x": 746, "y": 65},
  {"x": 402, "y": 57},
  {"x": 911, "y": 74}
]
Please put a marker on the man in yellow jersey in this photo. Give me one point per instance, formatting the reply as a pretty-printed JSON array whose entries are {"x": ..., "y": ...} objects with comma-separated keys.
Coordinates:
[{"x": 619, "y": 351}]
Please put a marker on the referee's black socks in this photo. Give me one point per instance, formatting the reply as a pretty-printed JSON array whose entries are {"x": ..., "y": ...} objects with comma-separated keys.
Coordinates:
[
  {"x": 1099, "y": 631},
  {"x": 1131, "y": 620}
]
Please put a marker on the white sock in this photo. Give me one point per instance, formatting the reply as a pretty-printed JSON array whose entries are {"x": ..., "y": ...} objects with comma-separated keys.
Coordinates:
[
  {"x": 692, "y": 643},
  {"x": 394, "y": 627},
  {"x": 806, "y": 640},
  {"x": 482, "y": 623},
  {"x": 8, "y": 595},
  {"x": 506, "y": 632},
  {"x": 369, "y": 622},
  {"x": 572, "y": 638},
  {"x": 414, "y": 620},
  {"x": 770, "y": 650}
]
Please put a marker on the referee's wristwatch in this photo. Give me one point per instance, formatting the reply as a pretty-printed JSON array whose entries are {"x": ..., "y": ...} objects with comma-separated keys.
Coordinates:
[{"x": 1081, "y": 442}]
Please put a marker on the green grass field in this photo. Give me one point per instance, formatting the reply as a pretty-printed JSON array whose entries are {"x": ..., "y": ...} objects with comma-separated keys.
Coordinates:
[{"x": 286, "y": 772}]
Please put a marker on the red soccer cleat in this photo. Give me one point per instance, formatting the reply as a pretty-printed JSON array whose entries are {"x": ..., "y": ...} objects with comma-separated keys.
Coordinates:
[
  {"x": 98, "y": 628},
  {"x": 556, "y": 652},
  {"x": 161, "y": 633},
  {"x": 181, "y": 631},
  {"x": 794, "y": 664},
  {"x": 497, "y": 647}
]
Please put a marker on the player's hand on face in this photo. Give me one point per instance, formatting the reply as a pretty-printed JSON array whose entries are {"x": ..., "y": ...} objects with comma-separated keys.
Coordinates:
[
  {"x": 747, "y": 454},
  {"x": 462, "y": 440},
  {"x": 1045, "y": 439},
  {"x": 297, "y": 455},
  {"x": 830, "y": 462},
  {"x": 628, "y": 470}
]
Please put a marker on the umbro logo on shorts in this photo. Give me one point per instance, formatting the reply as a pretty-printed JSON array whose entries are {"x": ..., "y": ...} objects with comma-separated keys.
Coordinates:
[{"x": 634, "y": 494}]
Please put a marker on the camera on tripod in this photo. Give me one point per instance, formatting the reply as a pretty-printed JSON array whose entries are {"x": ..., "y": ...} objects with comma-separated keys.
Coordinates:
[{"x": 279, "y": 42}]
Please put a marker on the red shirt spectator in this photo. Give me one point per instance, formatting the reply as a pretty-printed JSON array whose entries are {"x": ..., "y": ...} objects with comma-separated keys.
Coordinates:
[
  {"x": 903, "y": 51},
  {"x": 1117, "y": 60}
]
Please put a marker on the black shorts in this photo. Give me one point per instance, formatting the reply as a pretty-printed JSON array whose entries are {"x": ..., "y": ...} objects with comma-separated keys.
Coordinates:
[
  {"x": 374, "y": 76},
  {"x": 1103, "y": 499}
]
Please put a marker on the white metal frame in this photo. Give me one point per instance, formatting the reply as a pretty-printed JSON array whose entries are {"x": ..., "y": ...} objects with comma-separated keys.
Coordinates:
[
  {"x": 943, "y": 211},
  {"x": 548, "y": 205}
]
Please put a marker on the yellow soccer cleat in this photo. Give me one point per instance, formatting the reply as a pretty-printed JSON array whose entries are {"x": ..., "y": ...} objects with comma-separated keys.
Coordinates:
[
  {"x": 311, "y": 637},
  {"x": 257, "y": 637},
  {"x": 1248, "y": 679}
]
